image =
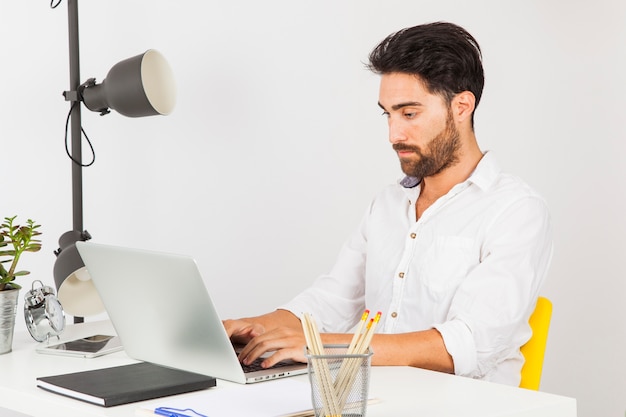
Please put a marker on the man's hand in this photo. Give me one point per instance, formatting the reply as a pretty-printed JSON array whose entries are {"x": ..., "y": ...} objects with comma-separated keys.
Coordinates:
[
  {"x": 279, "y": 333},
  {"x": 242, "y": 331},
  {"x": 283, "y": 342}
]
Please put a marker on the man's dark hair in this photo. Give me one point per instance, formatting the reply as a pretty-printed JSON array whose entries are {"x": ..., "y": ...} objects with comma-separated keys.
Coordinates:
[{"x": 445, "y": 56}]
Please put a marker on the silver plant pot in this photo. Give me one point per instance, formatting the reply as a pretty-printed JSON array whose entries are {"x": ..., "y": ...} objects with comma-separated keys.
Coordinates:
[{"x": 8, "y": 308}]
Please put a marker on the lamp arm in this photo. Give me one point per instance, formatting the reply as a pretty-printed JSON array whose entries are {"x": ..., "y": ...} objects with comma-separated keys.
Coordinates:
[{"x": 75, "y": 127}]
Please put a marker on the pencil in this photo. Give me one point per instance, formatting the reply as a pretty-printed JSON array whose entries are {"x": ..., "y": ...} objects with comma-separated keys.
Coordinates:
[
  {"x": 353, "y": 344},
  {"x": 359, "y": 330},
  {"x": 346, "y": 378},
  {"x": 320, "y": 367}
]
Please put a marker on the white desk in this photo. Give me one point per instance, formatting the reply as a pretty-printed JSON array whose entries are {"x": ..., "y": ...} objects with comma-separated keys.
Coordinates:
[{"x": 402, "y": 391}]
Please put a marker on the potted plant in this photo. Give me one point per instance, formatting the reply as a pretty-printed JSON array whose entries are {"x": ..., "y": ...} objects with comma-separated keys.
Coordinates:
[{"x": 14, "y": 241}]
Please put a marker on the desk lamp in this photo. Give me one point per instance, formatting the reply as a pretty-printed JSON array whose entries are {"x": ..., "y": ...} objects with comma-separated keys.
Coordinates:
[{"x": 135, "y": 87}]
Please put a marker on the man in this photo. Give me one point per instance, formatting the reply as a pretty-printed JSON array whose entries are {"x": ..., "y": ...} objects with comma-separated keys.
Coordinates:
[{"x": 454, "y": 255}]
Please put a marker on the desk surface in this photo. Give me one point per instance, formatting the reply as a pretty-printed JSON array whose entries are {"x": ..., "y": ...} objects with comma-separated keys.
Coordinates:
[{"x": 402, "y": 391}]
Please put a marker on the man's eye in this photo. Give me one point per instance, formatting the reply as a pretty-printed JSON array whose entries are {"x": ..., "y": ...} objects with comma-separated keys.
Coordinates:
[
  {"x": 410, "y": 115},
  {"x": 385, "y": 113}
]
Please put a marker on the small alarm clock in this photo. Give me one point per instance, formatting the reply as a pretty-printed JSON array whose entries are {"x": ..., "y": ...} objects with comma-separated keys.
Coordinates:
[{"x": 43, "y": 313}]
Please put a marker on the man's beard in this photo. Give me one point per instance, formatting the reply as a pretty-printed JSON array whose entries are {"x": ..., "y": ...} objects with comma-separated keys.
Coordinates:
[{"x": 441, "y": 153}]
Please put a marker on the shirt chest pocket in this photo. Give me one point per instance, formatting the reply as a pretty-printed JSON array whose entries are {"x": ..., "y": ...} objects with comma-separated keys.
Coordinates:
[{"x": 442, "y": 266}]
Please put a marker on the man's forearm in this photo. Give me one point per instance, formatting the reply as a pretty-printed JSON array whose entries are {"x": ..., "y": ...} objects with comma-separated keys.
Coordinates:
[
  {"x": 424, "y": 349},
  {"x": 277, "y": 318}
]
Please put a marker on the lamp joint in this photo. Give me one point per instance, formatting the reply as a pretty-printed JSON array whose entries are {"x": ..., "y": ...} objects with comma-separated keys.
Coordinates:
[{"x": 70, "y": 95}]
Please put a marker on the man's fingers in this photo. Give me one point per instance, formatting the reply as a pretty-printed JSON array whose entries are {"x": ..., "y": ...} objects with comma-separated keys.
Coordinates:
[
  {"x": 284, "y": 354},
  {"x": 242, "y": 331},
  {"x": 284, "y": 343}
]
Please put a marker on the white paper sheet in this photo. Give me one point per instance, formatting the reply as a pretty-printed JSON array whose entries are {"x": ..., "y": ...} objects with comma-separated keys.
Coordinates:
[{"x": 283, "y": 397}]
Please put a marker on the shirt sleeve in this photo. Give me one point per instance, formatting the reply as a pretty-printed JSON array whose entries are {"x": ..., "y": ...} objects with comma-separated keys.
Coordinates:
[
  {"x": 337, "y": 300},
  {"x": 488, "y": 319}
]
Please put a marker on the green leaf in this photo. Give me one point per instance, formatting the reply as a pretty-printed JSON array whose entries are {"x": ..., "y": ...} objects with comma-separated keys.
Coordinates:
[{"x": 19, "y": 239}]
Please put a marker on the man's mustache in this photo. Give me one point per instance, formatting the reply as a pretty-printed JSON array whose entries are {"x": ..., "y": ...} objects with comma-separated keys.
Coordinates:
[{"x": 403, "y": 147}]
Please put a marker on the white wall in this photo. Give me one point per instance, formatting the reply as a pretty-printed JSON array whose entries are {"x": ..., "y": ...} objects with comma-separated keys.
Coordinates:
[{"x": 276, "y": 145}]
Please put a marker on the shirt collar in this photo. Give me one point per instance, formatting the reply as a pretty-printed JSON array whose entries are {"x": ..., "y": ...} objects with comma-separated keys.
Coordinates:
[
  {"x": 486, "y": 172},
  {"x": 483, "y": 176},
  {"x": 409, "y": 182}
]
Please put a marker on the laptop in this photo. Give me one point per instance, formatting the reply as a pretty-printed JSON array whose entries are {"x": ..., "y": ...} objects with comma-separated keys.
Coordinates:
[{"x": 163, "y": 314}]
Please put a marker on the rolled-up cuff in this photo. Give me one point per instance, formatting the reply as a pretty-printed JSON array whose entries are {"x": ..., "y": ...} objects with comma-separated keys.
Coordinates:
[{"x": 460, "y": 345}]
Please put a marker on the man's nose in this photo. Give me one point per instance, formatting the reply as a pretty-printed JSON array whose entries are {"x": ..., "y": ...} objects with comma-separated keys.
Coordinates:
[{"x": 396, "y": 132}]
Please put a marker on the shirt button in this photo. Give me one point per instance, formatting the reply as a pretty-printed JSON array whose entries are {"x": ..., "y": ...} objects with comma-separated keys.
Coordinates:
[
  {"x": 394, "y": 314},
  {"x": 413, "y": 235},
  {"x": 401, "y": 274}
]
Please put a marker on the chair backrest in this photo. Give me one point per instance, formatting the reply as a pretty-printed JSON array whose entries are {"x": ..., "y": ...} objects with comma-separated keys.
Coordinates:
[{"x": 534, "y": 350}]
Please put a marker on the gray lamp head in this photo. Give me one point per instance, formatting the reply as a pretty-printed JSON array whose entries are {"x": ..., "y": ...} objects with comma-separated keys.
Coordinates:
[
  {"x": 135, "y": 87},
  {"x": 76, "y": 291}
]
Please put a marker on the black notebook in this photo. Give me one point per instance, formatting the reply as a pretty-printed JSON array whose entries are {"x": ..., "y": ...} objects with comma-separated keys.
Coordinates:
[{"x": 125, "y": 384}]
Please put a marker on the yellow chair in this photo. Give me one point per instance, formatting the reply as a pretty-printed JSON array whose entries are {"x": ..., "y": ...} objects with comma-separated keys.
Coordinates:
[{"x": 535, "y": 348}]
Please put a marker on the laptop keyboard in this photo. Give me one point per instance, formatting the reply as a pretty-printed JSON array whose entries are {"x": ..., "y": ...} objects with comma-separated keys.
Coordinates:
[{"x": 256, "y": 366}]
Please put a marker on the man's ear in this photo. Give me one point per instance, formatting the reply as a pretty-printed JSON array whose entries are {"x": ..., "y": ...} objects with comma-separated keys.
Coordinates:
[{"x": 463, "y": 105}]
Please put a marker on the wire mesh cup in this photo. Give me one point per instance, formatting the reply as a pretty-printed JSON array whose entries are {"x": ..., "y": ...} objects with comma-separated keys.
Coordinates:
[{"x": 339, "y": 381}]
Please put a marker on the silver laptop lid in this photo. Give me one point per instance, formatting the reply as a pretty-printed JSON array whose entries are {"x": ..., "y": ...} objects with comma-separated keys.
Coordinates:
[{"x": 161, "y": 309}]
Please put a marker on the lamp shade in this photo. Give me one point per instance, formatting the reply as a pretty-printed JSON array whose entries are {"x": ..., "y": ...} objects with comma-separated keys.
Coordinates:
[
  {"x": 135, "y": 87},
  {"x": 76, "y": 290}
]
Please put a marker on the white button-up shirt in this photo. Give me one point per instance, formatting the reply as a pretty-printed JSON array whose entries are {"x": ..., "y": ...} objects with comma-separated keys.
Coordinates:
[{"x": 471, "y": 267}]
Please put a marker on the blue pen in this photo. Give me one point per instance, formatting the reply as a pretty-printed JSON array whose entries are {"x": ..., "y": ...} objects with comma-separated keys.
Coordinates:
[{"x": 177, "y": 412}]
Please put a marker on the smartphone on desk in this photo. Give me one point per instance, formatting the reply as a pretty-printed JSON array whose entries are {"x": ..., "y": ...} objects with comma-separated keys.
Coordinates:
[{"x": 87, "y": 347}]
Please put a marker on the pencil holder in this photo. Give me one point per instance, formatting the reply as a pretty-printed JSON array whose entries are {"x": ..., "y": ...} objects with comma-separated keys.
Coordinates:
[{"x": 339, "y": 381}]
